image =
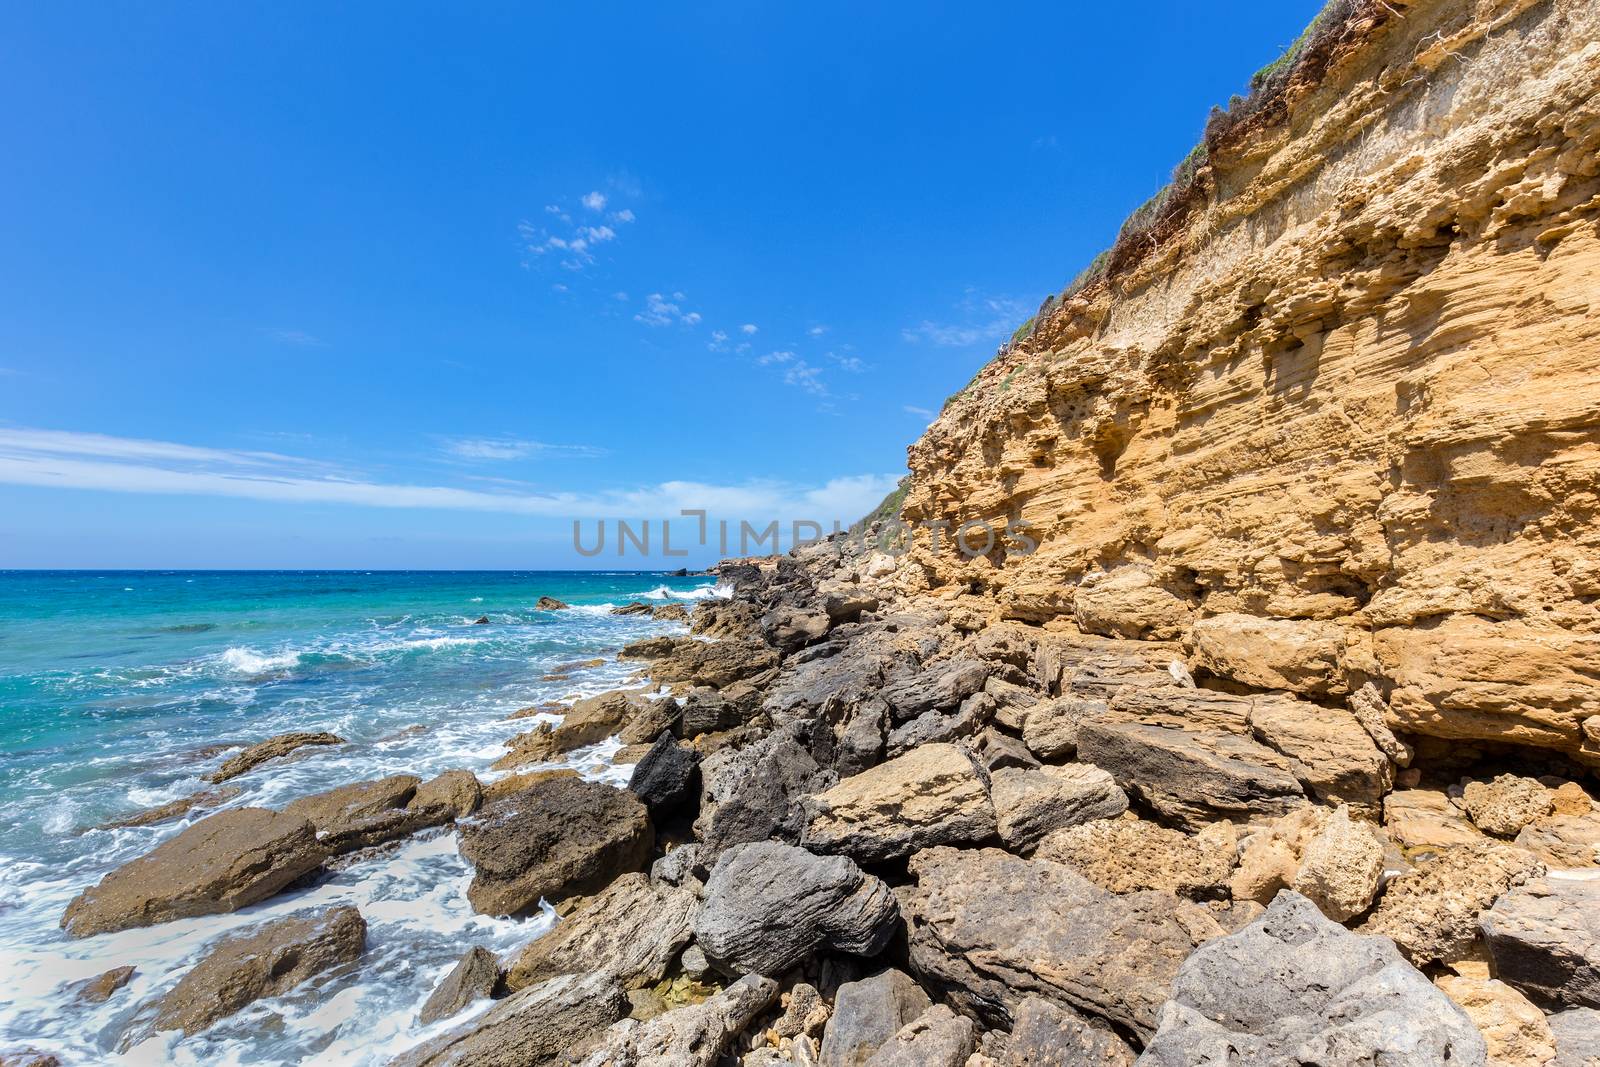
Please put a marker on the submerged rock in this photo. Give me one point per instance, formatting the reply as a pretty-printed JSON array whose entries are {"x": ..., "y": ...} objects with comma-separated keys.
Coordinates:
[
  {"x": 208, "y": 798},
  {"x": 265, "y": 961},
  {"x": 474, "y": 977},
  {"x": 559, "y": 838},
  {"x": 550, "y": 603},
  {"x": 1296, "y": 987},
  {"x": 768, "y": 906},
  {"x": 102, "y": 987},
  {"x": 270, "y": 749},
  {"x": 222, "y": 863}
]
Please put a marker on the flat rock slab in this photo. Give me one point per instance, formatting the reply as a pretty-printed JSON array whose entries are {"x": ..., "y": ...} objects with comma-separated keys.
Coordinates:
[
  {"x": 473, "y": 978},
  {"x": 1128, "y": 855},
  {"x": 634, "y": 929},
  {"x": 270, "y": 749},
  {"x": 208, "y": 798},
  {"x": 767, "y": 906},
  {"x": 222, "y": 863},
  {"x": 697, "y": 1035},
  {"x": 561, "y": 837},
  {"x": 265, "y": 961},
  {"x": 1031, "y": 803},
  {"x": 364, "y": 814},
  {"x": 933, "y": 795},
  {"x": 994, "y": 930},
  {"x": 532, "y": 1028},
  {"x": 1544, "y": 938},
  {"x": 1296, "y": 987}
]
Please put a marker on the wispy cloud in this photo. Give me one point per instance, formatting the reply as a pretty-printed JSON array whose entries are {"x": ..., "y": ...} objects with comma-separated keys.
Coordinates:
[
  {"x": 568, "y": 240},
  {"x": 719, "y": 341},
  {"x": 749, "y": 329},
  {"x": 508, "y": 448},
  {"x": 595, "y": 201},
  {"x": 817, "y": 331},
  {"x": 849, "y": 363},
  {"x": 659, "y": 311},
  {"x": 298, "y": 338},
  {"x": 100, "y": 462},
  {"x": 979, "y": 319},
  {"x": 921, "y": 413}
]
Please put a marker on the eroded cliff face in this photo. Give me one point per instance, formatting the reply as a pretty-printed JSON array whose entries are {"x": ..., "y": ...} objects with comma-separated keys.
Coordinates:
[{"x": 1344, "y": 426}]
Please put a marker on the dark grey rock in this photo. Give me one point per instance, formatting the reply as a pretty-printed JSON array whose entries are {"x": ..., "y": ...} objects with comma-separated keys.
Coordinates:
[
  {"x": 1577, "y": 1034},
  {"x": 910, "y": 691},
  {"x": 973, "y": 715},
  {"x": 750, "y": 794},
  {"x": 1030, "y": 804},
  {"x": 769, "y": 905},
  {"x": 939, "y": 1038},
  {"x": 1544, "y": 939},
  {"x": 666, "y": 778},
  {"x": 867, "y": 1014},
  {"x": 1047, "y": 1034},
  {"x": 472, "y": 978},
  {"x": 1296, "y": 987}
]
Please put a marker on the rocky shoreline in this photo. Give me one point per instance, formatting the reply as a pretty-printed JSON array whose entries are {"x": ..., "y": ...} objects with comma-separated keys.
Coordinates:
[{"x": 868, "y": 826}]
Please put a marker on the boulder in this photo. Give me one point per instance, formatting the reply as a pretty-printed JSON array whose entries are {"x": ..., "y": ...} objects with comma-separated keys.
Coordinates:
[
  {"x": 102, "y": 987},
  {"x": 1192, "y": 777},
  {"x": 208, "y": 798},
  {"x": 867, "y": 1014},
  {"x": 938, "y": 1038},
  {"x": 1424, "y": 820},
  {"x": 1432, "y": 911},
  {"x": 750, "y": 794},
  {"x": 932, "y": 795},
  {"x": 270, "y": 749},
  {"x": 1294, "y": 987},
  {"x": 932, "y": 727},
  {"x": 562, "y": 837},
  {"x": 1577, "y": 1037},
  {"x": 222, "y": 863},
  {"x": 670, "y": 613},
  {"x": 651, "y": 648},
  {"x": 1129, "y": 855},
  {"x": 530, "y": 1028},
  {"x": 473, "y": 978},
  {"x": 1130, "y": 602},
  {"x": 633, "y": 930},
  {"x": 1513, "y": 1029},
  {"x": 364, "y": 814},
  {"x": 550, "y": 603},
  {"x": 666, "y": 778},
  {"x": 1050, "y": 728},
  {"x": 697, "y": 1035},
  {"x": 636, "y": 607},
  {"x": 713, "y": 663},
  {"x": 1341, "y": 867},
  {"x": 1294, "y": 655},
  {"x": 1544, "y": 939},
  {"x": 588, "y": 721},
  {"x": 1507, "y": 804},
  {"x": 768, "y": 906},
  {"x": 791, "y": 628},
  {"x": 993, "y": 929},
  {"x": 457, "y": 793},
  {"x": 265, "y": 961},
  {"x": 1029, "y": 804},
  {"x": 1046, "y": 1034},
  {"x": 911, "y": 691},
  {"x": 1567, "y": 842},
  {"x": 1328, "y": 750}
]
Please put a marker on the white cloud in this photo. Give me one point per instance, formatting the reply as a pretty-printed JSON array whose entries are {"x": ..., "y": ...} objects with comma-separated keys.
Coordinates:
[
  {"x": 921, "y": 413},
  {"x": 659, "y": 311},
  {"x": 620, "y": 295},
  {"x": 817, "y": 331},
  {"x": 500, "y": 448},
  {"x": 99, "y": 462},
  {"x": 625, "y": 215},
  {"x": 774, "y": 357},
  {"x": 595, "y": 201},
  {"x": 572, "y": 247},
  {"x": 749, "y": 328},
  {"x": 980, "y": 319},
  {"x": 719, "y": 341},
  {"x": 803, "y": 375},
  {"x": 852, "y": 364}
]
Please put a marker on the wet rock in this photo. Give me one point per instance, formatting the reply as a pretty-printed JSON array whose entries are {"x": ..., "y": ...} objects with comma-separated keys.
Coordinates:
[
  {"x": 101, "y": 987},
  {"x": 938, "y": 1038},
  {"x": 265, "y": 961},
  {"x": 636, "y": 607},
  {"x": 1432, "y": 912},
  {"x": 560, "y": 838},
  {"x": 270, "y": 749},
  {"x": 474, "y": 977},
  {"x": 666, "y": 777},
  {"x": 1577, "y": 1037},
  {"x": 28, "y": 1057},
  {"x": 750, "y": 794},
  {"x": 867, "y": 1014},
  {"x": 768, "y": 906},
  {"x": 1507, "y": 804},
  {"x": 588, "y": 721},
  {"x": 1192, "y": 776},
  {"x": 1513, "y": 1029},
  {"x": 931, "y": 795},
  {"x": 222, "y": 863},
  {"x": 992, "y": 929},
  {"x": 697, "y": 1035},
  {"x": 1031, "y": 803},
  {"x": 457, "y": 793},
  {"x": 1544, "y": 939},
  {"x": 1128, "y": 855},
  {"x": 550, "y": 603},
  {"x": 531, "y": 1028},
  {"x": 208, "y": 798},
  {"x": 481, "y": 620},
  {"x": 633, "y": 930},
  {"x": 364, "y": 814},
  {"x": 1046, "y": 1034},
  {"x": 1296, "y": 987}
]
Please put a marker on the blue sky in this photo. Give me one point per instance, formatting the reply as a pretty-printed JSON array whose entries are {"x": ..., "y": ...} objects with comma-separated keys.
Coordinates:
[{"x": 404, "y": 285}]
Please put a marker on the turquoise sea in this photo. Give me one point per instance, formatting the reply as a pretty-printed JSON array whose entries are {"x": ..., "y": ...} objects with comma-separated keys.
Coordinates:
[{"x": 116, "y": 689}]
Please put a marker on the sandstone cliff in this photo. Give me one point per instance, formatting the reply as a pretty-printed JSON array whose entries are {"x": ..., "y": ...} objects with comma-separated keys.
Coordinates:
[{"x": 1337, "y": 419}]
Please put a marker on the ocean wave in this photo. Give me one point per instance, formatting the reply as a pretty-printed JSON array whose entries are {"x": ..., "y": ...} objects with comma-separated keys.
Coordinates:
[
  {"x": 717, "y": 591},
  {"x": 248, "y": 661}
]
